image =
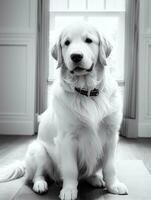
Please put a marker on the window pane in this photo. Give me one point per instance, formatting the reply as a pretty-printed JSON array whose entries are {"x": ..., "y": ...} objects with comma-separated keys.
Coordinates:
[
  {"x": 58, "y": 5},
  {"x": 105, "y": 24},
  {"x": 62, "y": 21},
  {"x": 96, "y": 5},
  {"x": 77, "y": 5},
  {"x": 115, "y": 5}
]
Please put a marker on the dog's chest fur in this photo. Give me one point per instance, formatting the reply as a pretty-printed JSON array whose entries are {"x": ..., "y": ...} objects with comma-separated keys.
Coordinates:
[
  {"x": 83, "y": 116},
  {"x": 89, "y": 152}
]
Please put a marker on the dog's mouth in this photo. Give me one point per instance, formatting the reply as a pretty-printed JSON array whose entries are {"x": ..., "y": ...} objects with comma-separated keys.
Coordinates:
[{"x": 81, "y": 71}]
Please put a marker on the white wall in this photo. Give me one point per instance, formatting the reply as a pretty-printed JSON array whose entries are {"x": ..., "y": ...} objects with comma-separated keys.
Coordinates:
[{"x": 18, "y": 25}]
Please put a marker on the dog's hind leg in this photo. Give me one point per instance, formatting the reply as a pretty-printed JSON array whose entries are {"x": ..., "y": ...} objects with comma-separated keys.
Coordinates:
[{"x": 38, "y": 163}]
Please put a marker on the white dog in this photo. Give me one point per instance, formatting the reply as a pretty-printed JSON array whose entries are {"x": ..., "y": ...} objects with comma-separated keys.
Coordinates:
[{"x": 78, "y": 133}]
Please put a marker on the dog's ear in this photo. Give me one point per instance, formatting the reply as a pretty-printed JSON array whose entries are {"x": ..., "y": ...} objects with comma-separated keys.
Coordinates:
[
  {"x": 56, "y": 53},
  {"x": 104, "y": 49}
]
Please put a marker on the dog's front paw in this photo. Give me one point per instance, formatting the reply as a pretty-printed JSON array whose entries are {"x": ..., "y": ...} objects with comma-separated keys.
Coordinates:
[
  {"x": 40, "y": 186},
  {"x": 68, "y": 193},
  {"x": 117, "y": 188}
]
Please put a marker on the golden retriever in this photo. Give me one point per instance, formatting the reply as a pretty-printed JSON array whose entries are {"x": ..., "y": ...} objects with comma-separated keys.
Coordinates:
[{"x": 78, "y": 133}]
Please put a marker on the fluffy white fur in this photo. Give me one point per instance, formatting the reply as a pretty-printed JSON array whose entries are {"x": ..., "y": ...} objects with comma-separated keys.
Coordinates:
[{"x": 77, "y": 134}]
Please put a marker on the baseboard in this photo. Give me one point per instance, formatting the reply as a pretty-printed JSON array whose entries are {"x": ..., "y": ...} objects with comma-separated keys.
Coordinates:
[
  {"x": 16, "y": 128},
  {"x": 132, "y": 128},
  {"x": 144, "y": 130}
]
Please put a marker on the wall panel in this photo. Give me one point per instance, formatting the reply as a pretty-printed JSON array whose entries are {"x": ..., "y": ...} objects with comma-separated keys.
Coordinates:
[{"x": 18, "y": 31}]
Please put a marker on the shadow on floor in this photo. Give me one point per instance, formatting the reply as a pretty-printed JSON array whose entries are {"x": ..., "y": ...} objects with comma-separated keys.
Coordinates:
[{"x": 85, "y": 192}]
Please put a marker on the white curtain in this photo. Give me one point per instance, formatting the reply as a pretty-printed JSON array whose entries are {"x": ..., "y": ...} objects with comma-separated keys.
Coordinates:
[
  {"x": 131, "y": 59},
  {"x": 42, "y": 54}
]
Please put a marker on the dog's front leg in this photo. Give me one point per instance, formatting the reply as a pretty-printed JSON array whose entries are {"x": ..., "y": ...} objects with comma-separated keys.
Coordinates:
[
  {"x": 69, "y": 169},
  {"x": 109, "y": 171}
]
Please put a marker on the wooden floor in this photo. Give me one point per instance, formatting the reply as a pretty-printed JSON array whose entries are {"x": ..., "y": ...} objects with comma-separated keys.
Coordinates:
[
  {"x": 132, "y": 149},
  {"x": 14, "y": 147}
]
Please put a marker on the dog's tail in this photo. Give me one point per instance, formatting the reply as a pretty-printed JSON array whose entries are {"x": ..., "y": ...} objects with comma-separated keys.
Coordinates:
[{"x": 13, "y": 171}]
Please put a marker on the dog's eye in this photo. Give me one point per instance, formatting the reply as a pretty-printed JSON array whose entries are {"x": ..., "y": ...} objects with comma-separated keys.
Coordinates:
[
  {"x": 88, "y": 40},
  {"x": 67, "y": 42}
]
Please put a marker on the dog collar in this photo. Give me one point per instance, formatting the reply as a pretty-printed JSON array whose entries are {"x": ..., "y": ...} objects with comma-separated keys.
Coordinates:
[{"x": 91, "y": 93}]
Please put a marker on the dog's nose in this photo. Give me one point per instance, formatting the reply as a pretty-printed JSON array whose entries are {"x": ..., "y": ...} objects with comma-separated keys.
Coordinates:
[{"x": 76, "y": 57}]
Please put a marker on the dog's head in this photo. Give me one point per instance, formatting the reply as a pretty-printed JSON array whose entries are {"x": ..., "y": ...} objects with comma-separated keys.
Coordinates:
[{"x": 80, "y": 47}]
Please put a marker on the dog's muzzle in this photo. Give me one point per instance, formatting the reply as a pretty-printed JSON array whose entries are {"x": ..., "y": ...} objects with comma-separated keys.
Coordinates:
[{"x": 80, "y": 69}]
